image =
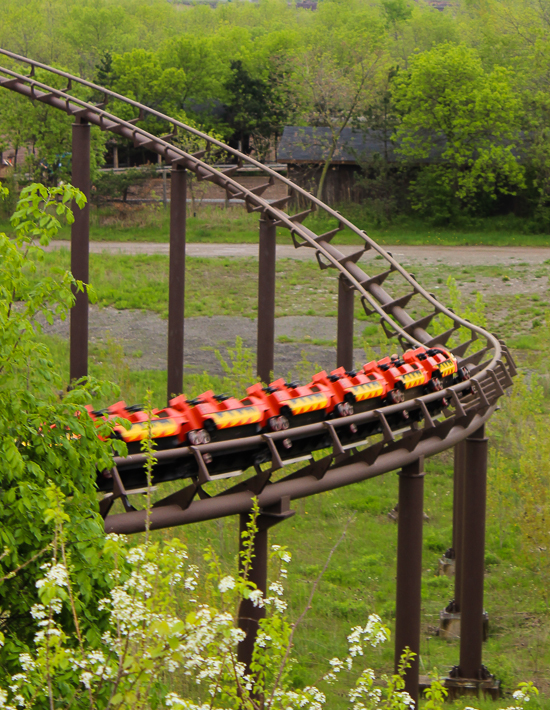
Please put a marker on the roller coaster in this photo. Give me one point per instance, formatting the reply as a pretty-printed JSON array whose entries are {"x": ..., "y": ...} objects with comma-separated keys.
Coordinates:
[{"x": 349, "y": 442}]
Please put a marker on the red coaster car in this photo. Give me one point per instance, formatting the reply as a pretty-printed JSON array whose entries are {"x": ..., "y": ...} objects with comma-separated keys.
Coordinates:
[{"x": 291, "y": 404}]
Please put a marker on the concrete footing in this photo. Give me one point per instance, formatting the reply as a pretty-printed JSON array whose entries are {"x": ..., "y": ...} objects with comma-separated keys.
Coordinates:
[
  {"x": 446, "y": 567},
  {"x": 459, "y": 687},
  {"x": 449, "y": 625}
]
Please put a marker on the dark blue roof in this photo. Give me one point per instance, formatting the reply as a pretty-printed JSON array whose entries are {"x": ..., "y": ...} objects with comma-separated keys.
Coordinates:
[{"x": 308, "y": 144}]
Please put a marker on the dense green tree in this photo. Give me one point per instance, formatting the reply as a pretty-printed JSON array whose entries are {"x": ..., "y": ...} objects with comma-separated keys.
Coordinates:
[
  {"x": 462, "y": 118},
  {"x": 138, "y": 75},
  {"x": 340, "y": 70},
  {"x": 258, "y": 107},
  {"x": 203, "y": 68},
  {"x": 46, "y": 135},
  {"x": 516, "y": 34}
]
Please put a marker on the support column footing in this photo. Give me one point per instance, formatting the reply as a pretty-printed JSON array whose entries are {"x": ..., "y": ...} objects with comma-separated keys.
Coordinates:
[
  {"x": 459, "y": 687},
  {"x": 449, "y": 625}
]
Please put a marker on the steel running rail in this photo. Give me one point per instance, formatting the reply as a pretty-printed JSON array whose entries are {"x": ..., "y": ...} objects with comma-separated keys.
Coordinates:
[{"x": 466, "y": 412}]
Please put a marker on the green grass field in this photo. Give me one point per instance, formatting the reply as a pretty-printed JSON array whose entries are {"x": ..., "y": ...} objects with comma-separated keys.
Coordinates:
[
  {"x": 228, "y": 286},
  {"x": 361, "y": 576},
  {"x": 218, "y": 225}
]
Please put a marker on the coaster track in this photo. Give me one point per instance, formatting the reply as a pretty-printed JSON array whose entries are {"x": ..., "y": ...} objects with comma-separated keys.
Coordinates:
[{"x": 471, "y": 402}]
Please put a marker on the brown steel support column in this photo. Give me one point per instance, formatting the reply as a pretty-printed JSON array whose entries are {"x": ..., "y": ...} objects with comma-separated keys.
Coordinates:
[
  {"x": 473, "y": 554},
  {"x": 250, "y": 615},
  {"x": 344, "y": 338},
  {"x": 409, "y": 569},
  {"x": 80, "y": 250},
  {"x": 176, "y": 295},
  {"x": 265, "y": 348},
  {"x": 458, "y": 521}
]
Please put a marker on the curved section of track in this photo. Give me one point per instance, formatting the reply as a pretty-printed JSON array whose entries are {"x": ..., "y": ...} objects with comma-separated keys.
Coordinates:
[{"x": 487, "y": 357}]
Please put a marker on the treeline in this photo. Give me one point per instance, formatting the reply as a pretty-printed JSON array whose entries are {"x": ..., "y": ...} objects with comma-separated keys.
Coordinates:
[{"x": 462, "y": 95}]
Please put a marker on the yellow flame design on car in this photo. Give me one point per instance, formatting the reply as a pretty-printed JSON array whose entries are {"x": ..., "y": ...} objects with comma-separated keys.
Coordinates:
[
  {"x": 236, "y": 417},
  {"x": 366, "y": 391},
  {"x": 309, "y": 403},
  {"x": 413, "y": 379},
  {"x": 448, "y": 367},
  {"x": 159, "y": 428}
]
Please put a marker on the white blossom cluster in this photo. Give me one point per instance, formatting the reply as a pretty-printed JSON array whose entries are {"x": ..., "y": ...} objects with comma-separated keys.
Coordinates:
[
  {"x": 310, "y": 698},
  {"x": 56, "y": 575},
  {"x": 367, "y": 696},
  {"x": 145, "y": 639},
  {"x": 373, "y": 633}
]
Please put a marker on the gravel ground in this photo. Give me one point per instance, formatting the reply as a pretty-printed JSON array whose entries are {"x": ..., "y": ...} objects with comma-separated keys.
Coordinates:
[
  {"x": 146, "y": 333},
  {"x": 143, "y": 334}
]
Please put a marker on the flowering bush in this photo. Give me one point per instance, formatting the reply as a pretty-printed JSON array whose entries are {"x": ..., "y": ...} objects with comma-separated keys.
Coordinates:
[
  {"x": 171, "y": 639},
  {"x": 160, "y": 633}
]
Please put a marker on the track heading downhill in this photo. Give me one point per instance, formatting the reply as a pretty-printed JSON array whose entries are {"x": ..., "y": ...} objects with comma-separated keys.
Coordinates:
[{"x": 410, "y": 314}]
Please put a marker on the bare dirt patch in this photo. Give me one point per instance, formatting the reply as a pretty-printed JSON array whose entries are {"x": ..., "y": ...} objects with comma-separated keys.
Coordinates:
[{"x": 143, "y": 336}]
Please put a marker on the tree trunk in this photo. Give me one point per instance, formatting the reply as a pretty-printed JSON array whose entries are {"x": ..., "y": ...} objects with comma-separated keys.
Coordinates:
[{"x": 326, "y": 166}]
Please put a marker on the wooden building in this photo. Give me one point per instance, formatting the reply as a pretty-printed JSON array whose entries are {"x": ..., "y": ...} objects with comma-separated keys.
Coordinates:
[{"x": 304, "y": 150}]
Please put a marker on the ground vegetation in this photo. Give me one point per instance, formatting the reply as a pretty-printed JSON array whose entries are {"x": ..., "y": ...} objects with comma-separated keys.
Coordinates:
[{"x": 360, "y": 578}]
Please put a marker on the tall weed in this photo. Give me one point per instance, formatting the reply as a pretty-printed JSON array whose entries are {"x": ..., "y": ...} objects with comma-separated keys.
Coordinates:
[
  {"x": 474, "y": 313},
  {"x": 519, "y": 478}
]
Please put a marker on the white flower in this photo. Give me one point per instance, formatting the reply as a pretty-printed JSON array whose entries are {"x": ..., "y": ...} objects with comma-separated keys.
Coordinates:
[
  {"x": 56, "y": 575},
  {"x": 256, "y": 597},
  {"x": 96, "y": 657},
  {"x": 27, "y": 663},
  {"x": 136, "y": 554},
  {"x": 279, "y": 604},
  {"x": 276, "y": 587},
  {"x": 226, "y": 584},
  {"x": 262, "y": 638},
  {"x": 173, "y": 700},
  {"x": 85, "y": 679},
  {"x": 237, "y": 635},
  {"x": 192, "y": 580}
]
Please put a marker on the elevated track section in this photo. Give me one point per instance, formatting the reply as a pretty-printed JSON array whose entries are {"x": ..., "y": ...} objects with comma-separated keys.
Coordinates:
[{"x": 405, "y": 310}]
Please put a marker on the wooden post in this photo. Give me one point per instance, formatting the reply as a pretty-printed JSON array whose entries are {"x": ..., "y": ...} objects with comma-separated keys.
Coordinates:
[{"x": 80, "y": 250}]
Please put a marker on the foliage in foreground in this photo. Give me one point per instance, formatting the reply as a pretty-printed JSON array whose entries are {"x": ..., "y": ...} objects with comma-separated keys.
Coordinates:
[
  {"x": 163, "y": 621},
  {"x": 45, "y": 433},
  {"x": 165, "y": 626}
]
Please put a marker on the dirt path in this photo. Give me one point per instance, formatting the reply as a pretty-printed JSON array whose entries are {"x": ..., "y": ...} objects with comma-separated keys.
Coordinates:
[{"x": 427, "y": 255}]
